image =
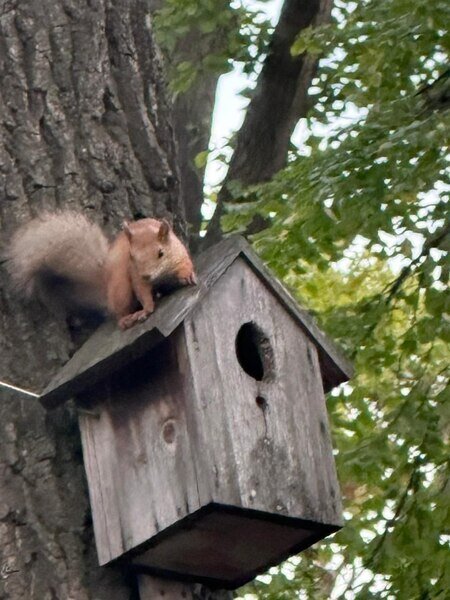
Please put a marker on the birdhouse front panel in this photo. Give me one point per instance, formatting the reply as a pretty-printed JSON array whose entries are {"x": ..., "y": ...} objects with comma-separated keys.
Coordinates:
[{"x": 260, "y": 405}]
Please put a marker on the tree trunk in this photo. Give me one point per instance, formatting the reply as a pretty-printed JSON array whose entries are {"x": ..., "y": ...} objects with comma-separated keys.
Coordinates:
[{"x": 85, "y": 124}]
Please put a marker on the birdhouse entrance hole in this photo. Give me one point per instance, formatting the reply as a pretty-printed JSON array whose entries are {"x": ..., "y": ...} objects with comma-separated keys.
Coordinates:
[{"x": 254, "y": 352}]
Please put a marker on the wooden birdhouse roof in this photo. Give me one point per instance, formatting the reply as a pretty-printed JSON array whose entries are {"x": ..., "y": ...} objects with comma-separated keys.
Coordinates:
[{"x": 109, "y": 349}]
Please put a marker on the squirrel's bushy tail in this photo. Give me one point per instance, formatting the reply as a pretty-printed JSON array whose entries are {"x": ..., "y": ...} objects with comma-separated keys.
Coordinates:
[{"x": 60, "y": 254}]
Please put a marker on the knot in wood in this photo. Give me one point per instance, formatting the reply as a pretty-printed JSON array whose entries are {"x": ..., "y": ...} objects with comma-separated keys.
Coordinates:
[{"x": 169, "y": 431}]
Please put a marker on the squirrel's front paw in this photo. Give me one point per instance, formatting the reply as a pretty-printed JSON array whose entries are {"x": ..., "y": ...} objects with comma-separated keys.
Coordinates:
[{"x": 129, "y": 320}]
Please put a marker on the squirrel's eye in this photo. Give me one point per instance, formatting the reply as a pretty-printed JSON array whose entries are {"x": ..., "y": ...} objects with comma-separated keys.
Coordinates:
[{"x": 160, "y": 253}]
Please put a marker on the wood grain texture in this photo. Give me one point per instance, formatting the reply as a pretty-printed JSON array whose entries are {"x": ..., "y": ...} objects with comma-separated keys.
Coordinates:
[
  {"x": 152, "y": 588},
  {"x": 108, "y": 348},
  {"x": 276, "y": 455},
  {"x": 137, "y": 453}
]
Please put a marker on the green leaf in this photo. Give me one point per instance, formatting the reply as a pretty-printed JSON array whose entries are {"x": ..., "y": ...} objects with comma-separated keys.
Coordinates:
[{"x": 201, "y": 159}]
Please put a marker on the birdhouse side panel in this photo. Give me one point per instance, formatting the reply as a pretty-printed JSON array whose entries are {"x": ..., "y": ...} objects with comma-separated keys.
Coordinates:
[
  {"x": 259, "y": 393},
  {"x": 137, "y": 451}
]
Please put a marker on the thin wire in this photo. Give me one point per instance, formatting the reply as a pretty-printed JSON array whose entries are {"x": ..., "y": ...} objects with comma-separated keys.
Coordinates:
[{"x": 18, "y": 389}]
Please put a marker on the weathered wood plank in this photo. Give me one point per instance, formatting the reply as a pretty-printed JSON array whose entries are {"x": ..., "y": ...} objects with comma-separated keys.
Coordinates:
[
  {"x": 335, "y": 367},
  {"x": 259, "y": 429},
  {"x": 155, "y": 588},
  {"x": 227, "y": 547},
  {"x": 137, "y": 453}
]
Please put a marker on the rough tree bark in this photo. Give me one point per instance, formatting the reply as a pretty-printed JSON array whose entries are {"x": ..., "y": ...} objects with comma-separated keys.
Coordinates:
[
  {"x": 192, "y": 120},
  {"x": 279, "y": 100},
  {"x": 85, "y": 124}
]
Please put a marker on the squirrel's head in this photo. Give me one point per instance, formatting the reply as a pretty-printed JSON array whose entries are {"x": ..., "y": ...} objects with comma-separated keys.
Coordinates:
[{"x": 158, "y": 255}]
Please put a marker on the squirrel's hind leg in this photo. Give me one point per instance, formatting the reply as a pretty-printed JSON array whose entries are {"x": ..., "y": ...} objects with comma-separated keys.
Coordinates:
[
  {"x": 129, "y": 320},
  {"x": 120, "y": 298}
]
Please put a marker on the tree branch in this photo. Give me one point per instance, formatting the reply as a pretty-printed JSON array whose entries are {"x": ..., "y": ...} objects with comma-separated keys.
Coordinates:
[
  {"x": 279, "y": 101},
  {"x": 433, "y": 242}
]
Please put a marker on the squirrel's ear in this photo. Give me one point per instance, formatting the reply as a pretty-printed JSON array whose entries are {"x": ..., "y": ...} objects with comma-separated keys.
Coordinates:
[
  {"x": 164, "y": 230},
  {"x": 126, "y": 229}
]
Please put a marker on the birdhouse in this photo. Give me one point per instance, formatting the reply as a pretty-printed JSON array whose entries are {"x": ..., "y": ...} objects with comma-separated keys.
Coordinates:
[{"x": 205, "y": 434}]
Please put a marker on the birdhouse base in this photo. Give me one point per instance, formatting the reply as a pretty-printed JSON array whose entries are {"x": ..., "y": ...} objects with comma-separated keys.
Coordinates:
[{"x": 225, "y": 547}]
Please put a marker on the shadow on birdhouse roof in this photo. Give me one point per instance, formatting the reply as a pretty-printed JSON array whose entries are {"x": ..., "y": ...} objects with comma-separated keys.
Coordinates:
[{"x": 109, "y": 349}]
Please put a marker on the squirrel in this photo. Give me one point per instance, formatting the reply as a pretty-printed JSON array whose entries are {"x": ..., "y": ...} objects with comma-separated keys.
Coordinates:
[{"x": 66, "y": 260}]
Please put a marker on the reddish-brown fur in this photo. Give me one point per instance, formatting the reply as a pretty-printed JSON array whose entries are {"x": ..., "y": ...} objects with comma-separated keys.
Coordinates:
[{"x": 122, "y": 276}]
